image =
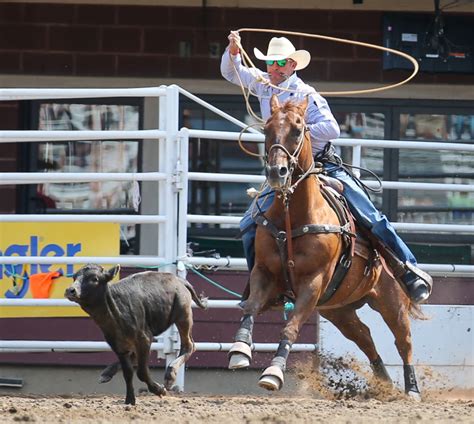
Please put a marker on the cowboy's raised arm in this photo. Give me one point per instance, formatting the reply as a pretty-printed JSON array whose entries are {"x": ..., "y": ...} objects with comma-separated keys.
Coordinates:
[{"x": 231, "y": 64}]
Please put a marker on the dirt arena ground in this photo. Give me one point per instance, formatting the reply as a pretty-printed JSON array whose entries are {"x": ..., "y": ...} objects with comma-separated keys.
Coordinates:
[
  {"x": 234, "y": 409},
  {"x": 335, "y": 391},
  {"x": 334, "y": 397}
]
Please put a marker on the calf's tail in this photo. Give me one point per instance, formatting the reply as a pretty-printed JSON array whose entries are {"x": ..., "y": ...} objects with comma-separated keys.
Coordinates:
[{"x": 200, "y": 301}]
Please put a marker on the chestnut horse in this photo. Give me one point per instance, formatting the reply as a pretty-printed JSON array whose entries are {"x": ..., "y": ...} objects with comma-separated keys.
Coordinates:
[{"x": 305, "y": 267}]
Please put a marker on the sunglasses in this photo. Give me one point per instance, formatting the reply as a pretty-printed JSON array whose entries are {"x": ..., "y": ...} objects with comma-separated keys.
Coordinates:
[{"x": 280, "y": 63}]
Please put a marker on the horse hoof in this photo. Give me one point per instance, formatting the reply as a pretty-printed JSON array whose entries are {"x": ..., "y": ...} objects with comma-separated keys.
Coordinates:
[
  {"x": 238, "y": 361},
  {"x": 415, "y": 396},
  {"x": 270, "y": 382},
  {"x": 272, "y": 378}
]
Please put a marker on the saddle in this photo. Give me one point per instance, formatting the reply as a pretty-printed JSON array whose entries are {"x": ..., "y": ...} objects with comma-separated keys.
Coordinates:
[{"x": 366, "y": 244}]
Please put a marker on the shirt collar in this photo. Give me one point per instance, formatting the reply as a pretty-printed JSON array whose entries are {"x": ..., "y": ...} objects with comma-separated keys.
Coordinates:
[{"x": 288, "y": 82}]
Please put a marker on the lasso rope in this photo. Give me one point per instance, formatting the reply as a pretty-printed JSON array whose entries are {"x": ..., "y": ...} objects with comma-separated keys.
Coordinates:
[
  {"x": 247, "y": 62},
  {"x": 246, "y": 58}
]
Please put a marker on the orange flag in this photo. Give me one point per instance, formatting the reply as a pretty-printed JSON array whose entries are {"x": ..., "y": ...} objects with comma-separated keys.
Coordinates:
[{"x": 40, "y": 284}]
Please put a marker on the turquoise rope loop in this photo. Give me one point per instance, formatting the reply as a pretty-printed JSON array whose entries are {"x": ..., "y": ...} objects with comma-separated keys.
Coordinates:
[
  {"x": 214, "y": 283},
  {"x": 288, "y": 307}
]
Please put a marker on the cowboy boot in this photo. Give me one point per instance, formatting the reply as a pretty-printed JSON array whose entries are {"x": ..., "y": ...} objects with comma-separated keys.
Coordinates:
[{"x": 418, "y": 283}]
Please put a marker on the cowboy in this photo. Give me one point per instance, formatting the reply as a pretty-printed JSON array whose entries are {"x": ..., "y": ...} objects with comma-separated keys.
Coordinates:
[{"x": 283, "y": 60}]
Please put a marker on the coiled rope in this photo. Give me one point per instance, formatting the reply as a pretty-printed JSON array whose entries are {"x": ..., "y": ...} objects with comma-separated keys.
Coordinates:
[{"x": 338, "y": 40}]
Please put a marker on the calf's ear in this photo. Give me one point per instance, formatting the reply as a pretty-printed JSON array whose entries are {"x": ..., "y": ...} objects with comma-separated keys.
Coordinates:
[{"x": 112, "y": 272}]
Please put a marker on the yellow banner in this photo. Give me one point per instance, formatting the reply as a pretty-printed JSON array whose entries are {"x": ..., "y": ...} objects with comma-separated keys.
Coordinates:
[{"x": 36, "y": 281}]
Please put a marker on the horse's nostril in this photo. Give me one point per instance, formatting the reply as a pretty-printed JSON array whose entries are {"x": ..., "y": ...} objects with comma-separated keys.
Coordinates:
[{"x": 283, "y": 171}]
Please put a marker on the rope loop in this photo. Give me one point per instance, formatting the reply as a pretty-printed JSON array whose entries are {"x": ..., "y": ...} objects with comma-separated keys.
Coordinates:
[{"x": 246, "y": 58}]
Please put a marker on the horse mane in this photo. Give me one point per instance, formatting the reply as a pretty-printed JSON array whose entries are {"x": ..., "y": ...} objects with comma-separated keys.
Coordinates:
[{"x": 293, "y": 106}]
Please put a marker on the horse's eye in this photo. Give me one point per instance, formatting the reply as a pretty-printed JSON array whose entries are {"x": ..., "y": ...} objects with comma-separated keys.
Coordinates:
[{"x": 296, "y": 131}]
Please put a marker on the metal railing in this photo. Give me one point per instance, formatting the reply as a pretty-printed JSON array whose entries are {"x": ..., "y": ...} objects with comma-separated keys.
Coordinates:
[{"x": 173, "y": 177}]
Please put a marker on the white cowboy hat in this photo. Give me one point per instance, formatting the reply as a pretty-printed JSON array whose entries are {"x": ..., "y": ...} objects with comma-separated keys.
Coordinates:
[{"x": 281, "y": 48}]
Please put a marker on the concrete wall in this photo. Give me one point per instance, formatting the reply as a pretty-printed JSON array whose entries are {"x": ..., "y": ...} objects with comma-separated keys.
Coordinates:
[
  {"x": 443, "y": 346},
  {"x": 81, "y": 380}
]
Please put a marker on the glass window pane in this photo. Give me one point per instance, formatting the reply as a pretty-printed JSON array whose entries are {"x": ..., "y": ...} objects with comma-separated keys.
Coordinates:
[
  {"x": 89, "y": 156},
  {"x": 222, "y": 157},
  {"x": 437, "y": 166},
  {"x": 364, "y": 125},
  {"x": 418, "y": 126}
]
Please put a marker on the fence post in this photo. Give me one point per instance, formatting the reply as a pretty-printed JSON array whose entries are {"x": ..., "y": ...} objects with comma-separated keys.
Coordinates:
[{"x": 168, "y": 206}]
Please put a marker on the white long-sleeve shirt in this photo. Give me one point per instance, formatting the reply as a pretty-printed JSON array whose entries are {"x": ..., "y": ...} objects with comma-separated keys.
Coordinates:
[{"x": 322, "y": 125}]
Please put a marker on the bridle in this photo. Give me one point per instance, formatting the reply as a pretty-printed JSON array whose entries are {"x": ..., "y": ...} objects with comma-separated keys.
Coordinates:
[
  {"x": 288, "y": 188},
  {"x": 284, "y": 239}
]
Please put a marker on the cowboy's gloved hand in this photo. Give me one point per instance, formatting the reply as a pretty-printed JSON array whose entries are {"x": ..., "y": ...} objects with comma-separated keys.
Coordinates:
[{"x": 234, "y": 42}]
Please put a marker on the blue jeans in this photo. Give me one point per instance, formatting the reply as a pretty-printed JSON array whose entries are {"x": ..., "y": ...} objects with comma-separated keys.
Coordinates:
[{"x": 360, "y": 205}]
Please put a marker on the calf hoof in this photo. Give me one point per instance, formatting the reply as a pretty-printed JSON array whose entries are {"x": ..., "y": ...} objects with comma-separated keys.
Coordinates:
[
  {"x": 414, "y": 396},
  {"x": 272, "y": 378},
  {"x": 157, "y": 389},
  {"x": 130, "y": 400},
  {"x": 170, "y": 378},
  {"x": 104, "y": 379},
  {"x": 175, "y": 389}
]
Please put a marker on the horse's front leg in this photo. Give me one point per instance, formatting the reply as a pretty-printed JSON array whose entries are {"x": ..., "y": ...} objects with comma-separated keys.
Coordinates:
[
  {"x": 272, "y": 377},
  {"x": 240, "y": 353}
]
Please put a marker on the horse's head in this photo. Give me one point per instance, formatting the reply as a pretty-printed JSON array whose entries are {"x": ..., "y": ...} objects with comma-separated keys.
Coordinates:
[{"x": 285, "y": 141}]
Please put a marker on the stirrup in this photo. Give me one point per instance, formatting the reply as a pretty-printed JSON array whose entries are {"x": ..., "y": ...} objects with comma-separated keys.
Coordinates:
[
  {"x": 421, "y": 274},
  {"x": 418, "y": 290}
]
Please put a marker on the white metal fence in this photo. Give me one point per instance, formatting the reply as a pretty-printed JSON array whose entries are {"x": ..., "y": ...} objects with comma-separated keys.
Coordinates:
[{"x": 173, "y": 177}]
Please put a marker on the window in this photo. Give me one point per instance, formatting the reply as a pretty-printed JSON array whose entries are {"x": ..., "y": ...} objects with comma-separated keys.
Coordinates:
[
  {"x": 364, "y": 125},
  {"x": 436, "y": 166},
  {"x": 86, "y": 156},
  {"x": 219, "y": 156}
]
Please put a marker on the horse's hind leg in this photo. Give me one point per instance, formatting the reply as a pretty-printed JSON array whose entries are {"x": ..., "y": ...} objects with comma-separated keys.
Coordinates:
[
  {"x": 394, "y": 306},
  {"x": 349, "y": 324}
]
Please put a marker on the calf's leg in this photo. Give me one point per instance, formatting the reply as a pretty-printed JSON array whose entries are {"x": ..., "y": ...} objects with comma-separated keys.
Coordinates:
[
  {"x": 143, "y": 372},
  {"x": 107, "y": 374},
  {"x": 127, "y": 370},
  {"x": 187, "y": 349}
]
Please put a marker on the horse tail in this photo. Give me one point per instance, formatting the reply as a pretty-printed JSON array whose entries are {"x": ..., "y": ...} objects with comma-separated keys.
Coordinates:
[{"x": 415, "y": 312}]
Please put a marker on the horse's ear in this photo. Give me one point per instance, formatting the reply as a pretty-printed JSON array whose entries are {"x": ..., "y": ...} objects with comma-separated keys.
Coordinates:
[{"x": 274, "y": 103}]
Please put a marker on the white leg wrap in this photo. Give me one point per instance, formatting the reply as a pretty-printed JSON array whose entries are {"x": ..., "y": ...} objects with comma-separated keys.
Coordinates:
[
  {"x": 240, "y": 355},
  {"x": 242, "y": 348}
]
